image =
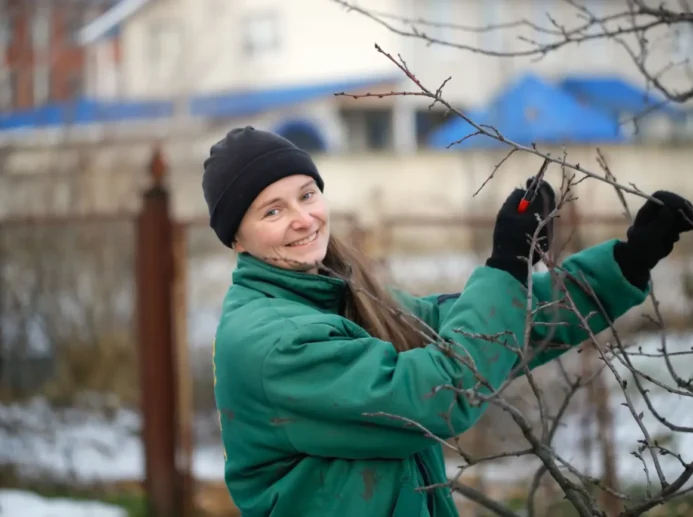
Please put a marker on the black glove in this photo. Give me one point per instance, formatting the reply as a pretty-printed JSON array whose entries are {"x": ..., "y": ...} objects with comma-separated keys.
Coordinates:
[
  {"x": 652, "y": 236},
  {"x": 512, "y": 235}
]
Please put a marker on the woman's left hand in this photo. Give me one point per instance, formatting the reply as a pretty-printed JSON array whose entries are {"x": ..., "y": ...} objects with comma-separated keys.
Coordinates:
[{"x": 651, "y": 237}]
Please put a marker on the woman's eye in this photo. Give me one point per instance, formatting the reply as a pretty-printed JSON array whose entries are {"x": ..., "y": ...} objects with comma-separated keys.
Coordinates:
[
  {"x": 272, "y": 213},
  {"x": 307, "y": 195}
]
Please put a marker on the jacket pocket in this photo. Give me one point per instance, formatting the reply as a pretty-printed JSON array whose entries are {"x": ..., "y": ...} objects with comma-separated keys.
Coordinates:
[{"x": 410, "y": 503}]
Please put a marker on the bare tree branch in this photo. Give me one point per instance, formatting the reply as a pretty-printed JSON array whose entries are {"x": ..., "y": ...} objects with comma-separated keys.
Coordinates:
[
  {"x": 487, "y": 131},
  {"x": 635, "y": 20}
]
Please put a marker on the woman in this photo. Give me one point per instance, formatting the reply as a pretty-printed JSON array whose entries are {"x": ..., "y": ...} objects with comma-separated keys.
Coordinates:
[{"x": 309, "y": 345}]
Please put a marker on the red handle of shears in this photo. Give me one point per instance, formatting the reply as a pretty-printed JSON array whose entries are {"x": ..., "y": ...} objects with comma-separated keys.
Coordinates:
[
  {"x": 522, "y": 207},
  {"x": 532, "y": 189}
]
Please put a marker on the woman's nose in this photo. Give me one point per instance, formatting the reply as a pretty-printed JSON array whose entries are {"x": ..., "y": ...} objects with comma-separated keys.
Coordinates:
[{"x": 302, "y": 219}]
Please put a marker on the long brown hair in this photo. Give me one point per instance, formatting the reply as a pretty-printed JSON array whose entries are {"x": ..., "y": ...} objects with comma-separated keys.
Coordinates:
[{"x": 369, "y": 304}]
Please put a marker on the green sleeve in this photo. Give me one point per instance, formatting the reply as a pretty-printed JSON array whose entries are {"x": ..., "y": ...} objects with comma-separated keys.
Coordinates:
[
  {"x": 594, "y": 266},
  {"x": 597, "y": 268},
  {"x": 322, "y": 378}
]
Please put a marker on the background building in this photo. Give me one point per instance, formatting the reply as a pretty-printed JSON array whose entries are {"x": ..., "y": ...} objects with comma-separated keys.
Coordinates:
[
  {"x": 41, "y": 59},
  {"x": 279, "y": 64}
]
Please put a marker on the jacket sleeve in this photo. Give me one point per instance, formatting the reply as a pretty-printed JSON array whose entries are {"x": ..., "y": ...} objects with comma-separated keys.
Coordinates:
[
  {"x": 594, "y": 266},
  {"x": 321, "y": 383}
]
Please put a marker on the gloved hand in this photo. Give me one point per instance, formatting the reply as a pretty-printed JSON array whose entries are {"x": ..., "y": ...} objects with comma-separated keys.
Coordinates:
[
  {"x": 652, "y": 236},
  {"x": 513, "y": 232}
]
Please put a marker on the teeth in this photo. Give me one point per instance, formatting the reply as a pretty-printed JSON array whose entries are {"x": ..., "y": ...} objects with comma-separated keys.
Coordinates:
[{"x": 308, "y": 239}]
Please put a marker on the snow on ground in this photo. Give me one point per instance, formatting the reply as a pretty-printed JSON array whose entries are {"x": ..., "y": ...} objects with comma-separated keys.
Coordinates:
[
  {"x": 676, "y": 409},
  {"x": 628, "y": 439},
  {"x": 83, "y": 447},
  {"x": 80, "y": 446},
  {"x": 15, "y": 503}
]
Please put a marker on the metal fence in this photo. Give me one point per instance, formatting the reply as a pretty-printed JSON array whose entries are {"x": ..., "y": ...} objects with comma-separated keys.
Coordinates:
[
  {"x": 66, "y": 289},
  {"x": 126, "y": 305}
]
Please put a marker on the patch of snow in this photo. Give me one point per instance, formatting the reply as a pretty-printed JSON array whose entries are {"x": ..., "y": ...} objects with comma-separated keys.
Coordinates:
[
  {"x": 83, "y": 446},
  {"x": 15, "y": 503},
  {"x": 676, "y": 409}
]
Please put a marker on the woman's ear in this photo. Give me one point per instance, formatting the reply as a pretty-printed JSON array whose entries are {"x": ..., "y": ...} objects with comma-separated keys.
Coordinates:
[{"x": 237, "y": 247}]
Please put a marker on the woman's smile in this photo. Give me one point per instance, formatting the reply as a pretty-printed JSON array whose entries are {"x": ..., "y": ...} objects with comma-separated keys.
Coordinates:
[{"x": 304, "y": 241}]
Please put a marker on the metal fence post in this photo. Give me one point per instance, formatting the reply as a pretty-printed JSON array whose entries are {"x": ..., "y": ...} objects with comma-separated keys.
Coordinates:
[{"x": 155, "y": 274}]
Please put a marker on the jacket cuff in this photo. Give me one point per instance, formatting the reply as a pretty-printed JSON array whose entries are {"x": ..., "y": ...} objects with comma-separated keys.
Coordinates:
[
  {"x": 516, "y": 267},
  {"x": 632, "y": 269}
]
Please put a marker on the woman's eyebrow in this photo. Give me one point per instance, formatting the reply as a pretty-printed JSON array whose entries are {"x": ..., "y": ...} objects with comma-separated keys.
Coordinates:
[
  {"x": 267, "y": 203},
  {"x": 277, "y": 199}
]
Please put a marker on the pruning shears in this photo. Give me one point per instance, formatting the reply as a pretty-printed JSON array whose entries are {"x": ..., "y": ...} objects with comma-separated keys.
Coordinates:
[{"x": 533, "y": 188}]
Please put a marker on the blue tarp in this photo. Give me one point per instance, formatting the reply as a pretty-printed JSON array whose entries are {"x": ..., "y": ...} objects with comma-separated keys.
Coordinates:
[
  {"x": 616, "y": 96},
  {"x": 531, "y": 110},
  {"x": 249, "y": 102}
]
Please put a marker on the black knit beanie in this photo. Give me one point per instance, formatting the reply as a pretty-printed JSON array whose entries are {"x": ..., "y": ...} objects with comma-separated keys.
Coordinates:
[{"x": 242, "y": 165}]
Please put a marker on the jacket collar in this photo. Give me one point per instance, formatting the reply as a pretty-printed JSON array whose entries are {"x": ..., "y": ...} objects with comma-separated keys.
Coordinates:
[{"x": 325, "y": 293}]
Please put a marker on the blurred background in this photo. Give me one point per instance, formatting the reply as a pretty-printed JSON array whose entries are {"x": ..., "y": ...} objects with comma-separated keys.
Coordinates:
[{"x": 111, "y": 281}]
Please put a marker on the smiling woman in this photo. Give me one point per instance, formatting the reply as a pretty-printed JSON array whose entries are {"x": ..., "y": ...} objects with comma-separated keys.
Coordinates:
[
  {"x": 287, "y": 222},
  {"x": 311, "y": 351},
  {"x": 266, "y": 201}
]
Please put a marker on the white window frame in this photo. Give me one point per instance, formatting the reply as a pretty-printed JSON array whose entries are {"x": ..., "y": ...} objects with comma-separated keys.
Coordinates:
[
  {"x": 164, "y": 49},
  {"x": 254, "y": 41}
]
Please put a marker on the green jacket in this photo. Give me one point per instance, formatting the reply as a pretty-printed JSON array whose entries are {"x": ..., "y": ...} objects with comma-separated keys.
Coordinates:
[{"x": 293, "y": 380}]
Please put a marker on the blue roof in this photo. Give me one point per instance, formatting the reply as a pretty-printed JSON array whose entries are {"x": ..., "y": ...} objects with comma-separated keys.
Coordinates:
[
  {"x": 248, "y": 102},
  {"x": 230, "y": 104},
  {"x": 456, "y": 129},
  {"x": 84, "y": 111},
  {"x": 531, "y": 110},
  {"x": 615, "y": 95}
]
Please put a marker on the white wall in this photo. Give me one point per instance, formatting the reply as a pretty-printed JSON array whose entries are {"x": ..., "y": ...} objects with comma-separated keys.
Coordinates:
[
  {"x": 317, "y": 40},
  {"x": 103, "y": 73},
  {"x": 109, "y": 178}
]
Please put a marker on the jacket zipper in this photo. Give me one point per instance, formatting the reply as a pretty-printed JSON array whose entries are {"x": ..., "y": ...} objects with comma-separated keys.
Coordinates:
[{"x": 427, "y": 481}]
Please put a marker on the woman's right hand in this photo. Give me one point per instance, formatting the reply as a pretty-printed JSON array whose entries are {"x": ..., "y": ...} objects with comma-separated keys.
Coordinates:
[{"x": 513, "y": 232}]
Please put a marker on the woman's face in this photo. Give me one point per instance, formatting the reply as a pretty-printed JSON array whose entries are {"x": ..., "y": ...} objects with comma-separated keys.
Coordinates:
[{"x": 287, "y": 225}]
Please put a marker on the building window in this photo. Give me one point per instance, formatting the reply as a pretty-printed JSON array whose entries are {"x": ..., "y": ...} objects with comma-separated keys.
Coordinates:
[
  {"x": 428, "y": 121},
  {"x": 368, "y": 129},
  {"x": 164, "y": 49},
  {"x": 260, "y": 33}
]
